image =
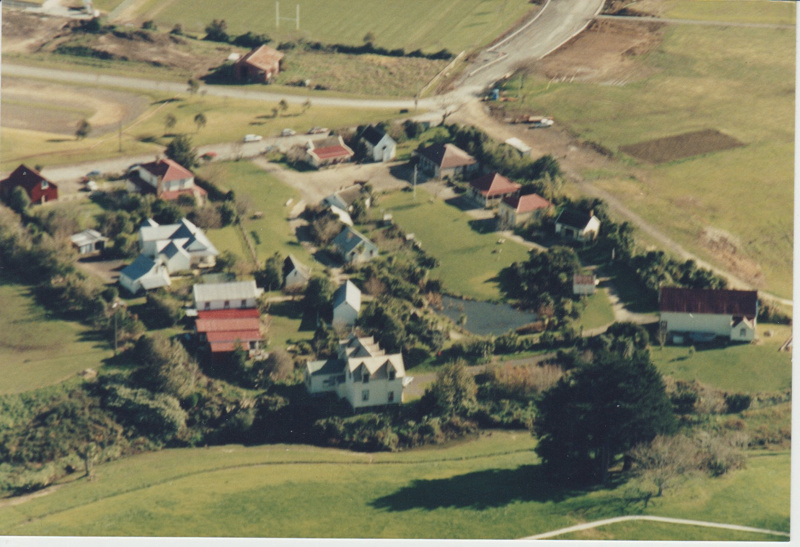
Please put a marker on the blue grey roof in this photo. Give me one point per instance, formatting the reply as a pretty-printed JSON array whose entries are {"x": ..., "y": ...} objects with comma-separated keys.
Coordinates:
[
  {"x": 348, "y": 239},
  {"x": 372, "y": 135},
  {"x": 331, "y": 366},
  {"x": 347, "y": 293},
  {"x": 574, "y": 219},
  {"x": 138, "y": 268}
]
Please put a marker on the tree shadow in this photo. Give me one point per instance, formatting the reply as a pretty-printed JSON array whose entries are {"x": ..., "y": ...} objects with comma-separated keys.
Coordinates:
[
  {"x": 405, "y": 171},
  {"x": 463, "y": 203},
  {"x": 60, "y": 140},
  {"x": 483, "y": 226},
  {"x": 478, "y": 490},
  {"x": 166, "y": 101}
]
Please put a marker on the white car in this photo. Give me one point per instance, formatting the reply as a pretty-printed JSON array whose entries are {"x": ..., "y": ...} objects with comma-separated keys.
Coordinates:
[
  {"x": 287, "y": 132},
  {"x": 252, "y": 138}
]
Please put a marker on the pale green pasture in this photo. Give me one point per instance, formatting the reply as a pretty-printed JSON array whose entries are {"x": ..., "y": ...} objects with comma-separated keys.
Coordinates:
[
  {"x": 37, "y": 350},
  {"x": 730, "y": 11},
  {"x": 491, "y": 487},
  {"x": 598, "y": 311},
  {"x": 452, "y": 24},
  {"x": 739, "y": 81},
  {"x": 469, "y": 261}
]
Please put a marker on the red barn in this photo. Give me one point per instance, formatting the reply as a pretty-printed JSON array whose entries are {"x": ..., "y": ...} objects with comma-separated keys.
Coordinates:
[{"x": 38, "y": 188}]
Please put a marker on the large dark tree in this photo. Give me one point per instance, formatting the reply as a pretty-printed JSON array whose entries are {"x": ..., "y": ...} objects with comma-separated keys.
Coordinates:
[
  {"x": 599, "y": 411},
  {"x": 545, "y": 273},
  {"x": 180, "y": 149}
]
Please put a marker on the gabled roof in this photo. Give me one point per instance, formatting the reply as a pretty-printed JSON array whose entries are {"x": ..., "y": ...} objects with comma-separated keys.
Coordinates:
[
  {"x": 712, "y": 301},
  {"x": 87, "y": 237},
  {"x": 167, "y": 169},
  {"x": 518, "y": 145},
  {"x": 149, "y": 273},
  {"x": 447, "y": 155},
  {"x": 25, "y": 177},
  {"x": 232, "y": 324},
  {"x": 329, "y": 147},
  {"x": 237, "y": 290},
  {"x": 373, "y": 135},
  {"x": 326, "y": 367},
  {"x": 494, "y": 184},
  {"x": 353, "y": 346},
  {"x": 263, "y": 57},
  {"x": 291, "y": 264},
  {"x": 171, "y": 250},
  {"x": 138, "y": 268},
  {"x": 244, "y": 335},
  {"x": 349, "y": 238},
  {"x": 527, "y": 203},
  {"x": 372, "y": 364},
  {"x": 349, "y": 294},
  {"x": 184, "y": 234},
  {"x": 574, "y": 219}
]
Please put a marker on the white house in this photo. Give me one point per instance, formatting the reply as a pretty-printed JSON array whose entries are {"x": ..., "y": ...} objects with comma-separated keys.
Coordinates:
[
  {"x": 583, "y": 284},
  {"x": 380, "y": 146},
  {"x": 577, "y": 225},
  {"x": 225, "y": 296},
  {"x": 144, "y": 274},
  {"x": 702, "y": 314},
  {"x": 295, "y": 273},
  {"x": 346, "y": 305},
  {"x": 186, "y": 244},
  {"x": 361, "y": 373},
  {"x": 354, "y": 247}
]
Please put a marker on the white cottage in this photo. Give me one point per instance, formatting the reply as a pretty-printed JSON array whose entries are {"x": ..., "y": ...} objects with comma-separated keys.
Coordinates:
[
  {"x": 702, "y": 314},
  {"x": 226, "y": 296},
  {"x": 346, "y": 305},
  {"x": 361, "y": 373},
  {"x": 577, "y": 225},
  {"x": 380, "y": 146}
]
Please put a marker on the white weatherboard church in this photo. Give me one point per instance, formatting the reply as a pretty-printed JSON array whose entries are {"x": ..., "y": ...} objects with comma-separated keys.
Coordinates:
[{"x": 698, "y": 314}]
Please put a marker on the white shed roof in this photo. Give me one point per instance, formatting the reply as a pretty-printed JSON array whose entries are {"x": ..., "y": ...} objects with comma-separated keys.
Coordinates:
[{"x": 237, "y": 290}]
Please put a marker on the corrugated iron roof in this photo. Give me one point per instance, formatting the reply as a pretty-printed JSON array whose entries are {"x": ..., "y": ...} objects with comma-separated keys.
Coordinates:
[
  {"x": 494, "y": 184},
  {"x": 527, "y": 203},
  {"x": 710, "y": 301}
]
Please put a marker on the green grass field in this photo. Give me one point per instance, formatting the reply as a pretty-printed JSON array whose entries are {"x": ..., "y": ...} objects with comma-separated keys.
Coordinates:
[
  {"x": 37, "y": 350},
  {"x": 731, "y": 11},
  {"x": 469, "y": 261},
  {"x": 598, "y": 311},
  {"x": 743, "y": 368},
  {"x": 227, "y": 121},
  {"x": 699, "y": 83},
  {"x": 485, "y": 488},
  {"x": 455, "y": 25}
]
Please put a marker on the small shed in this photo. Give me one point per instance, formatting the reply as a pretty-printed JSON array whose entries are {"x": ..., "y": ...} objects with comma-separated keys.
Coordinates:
[
  {"x": 523, "y": 149},
  {"x": 88, "y": 242},
  {"x": 584, "y": 284}
]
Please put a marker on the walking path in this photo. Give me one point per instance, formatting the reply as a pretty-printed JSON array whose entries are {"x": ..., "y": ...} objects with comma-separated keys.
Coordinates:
[{"x": 669, "y": 520}]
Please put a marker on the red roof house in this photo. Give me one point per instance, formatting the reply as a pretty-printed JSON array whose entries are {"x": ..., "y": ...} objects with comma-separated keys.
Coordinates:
[
  {"x": 223, "y": 329},
  {"x": 703, "y": 314},
  {"x": 38, "y": 188},
  {"x": 328, "y": 151},
  {"x": 262, "y": 64},
  {"x": 516, "y": 210},
  {"x": 488, "y": 190},
  {"x": 165, "y": 178}
]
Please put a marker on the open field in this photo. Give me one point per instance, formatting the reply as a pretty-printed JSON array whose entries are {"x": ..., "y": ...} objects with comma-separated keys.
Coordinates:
[
  {"x": 227, "y": 121},
  {"x": 485, "y": 488},
  {"x": 469, "y": 261},
  {"x": 731, "y": 11},
  {"x": 409, "y": 24},
  {"x": 265, "y": 194},
  {"x": 37, "y": 350},
  {"x": 744, "y": 368},
  {"x": 694, "y": 81}
]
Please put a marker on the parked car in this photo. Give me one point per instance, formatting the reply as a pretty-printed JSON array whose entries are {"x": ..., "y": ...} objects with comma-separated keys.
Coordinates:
[
  {"x": 93, "y": 173},
  {"x": 252, "y": 138},
  {"x": 288, "y": 132},
  {"x": 317, "y": 130},
  {"x": 90, "y": 186}
]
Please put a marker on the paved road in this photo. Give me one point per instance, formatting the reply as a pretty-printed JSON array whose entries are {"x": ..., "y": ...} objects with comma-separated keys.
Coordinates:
[{"x": 669, "y": 520}]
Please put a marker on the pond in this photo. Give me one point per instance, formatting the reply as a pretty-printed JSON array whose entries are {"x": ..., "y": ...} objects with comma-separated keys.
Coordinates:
[{"x": 485, "y": 318}]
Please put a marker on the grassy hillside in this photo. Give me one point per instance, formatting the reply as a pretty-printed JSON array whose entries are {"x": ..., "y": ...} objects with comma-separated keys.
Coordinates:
[
  {"x": 486, "y": 488},
  {"x": 453, "y": 24},
  {"x": 698, "y": 82},
  {"x": 37, "y": 350}
]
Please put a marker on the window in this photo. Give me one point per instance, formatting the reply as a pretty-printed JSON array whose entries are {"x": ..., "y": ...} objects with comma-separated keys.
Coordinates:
[
  {"x": 207, "y": 305},
  {"x": 392, "y": 374},
  {"x": 742, "y": 332},
  {"x": 365, "y": 376},
  {"x": 391, "y": 396},
  {"x": 45, "y": 185},
  {"x": 227, "y": 304},
  {"x": 244, "y": 303},
  {"x": 365, "y": 395}
]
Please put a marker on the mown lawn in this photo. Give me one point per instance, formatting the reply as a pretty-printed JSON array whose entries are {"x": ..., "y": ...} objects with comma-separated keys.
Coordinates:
[
  {"x": 411, "y": 24},
  {"x": 598, "y": 311},
  {"x": 699, "y": 82},
  {"x": 491, "y": 487},
  {"x": 469, "y": 261},
  {"x": 744, "y": 368},
  {"x": 37, "y": 350},
  {"x": 286, "y": 324}
]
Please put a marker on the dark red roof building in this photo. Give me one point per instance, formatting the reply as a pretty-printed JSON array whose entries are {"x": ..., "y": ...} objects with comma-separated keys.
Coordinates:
[
  {"x": 712, "y": 301},
  {"x": 488, "y": 190},
  {"x": 167, "y": 179},
  {"x": 38, "y": 188},
  {"x": 700, "y": 315},
  {"x": 223, "y": 329},
  {"x": 260, "y": 65},
  {"x": 328, "y": 151}
]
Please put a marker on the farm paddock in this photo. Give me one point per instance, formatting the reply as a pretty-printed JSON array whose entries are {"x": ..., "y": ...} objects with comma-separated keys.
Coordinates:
[{"x": 678, "y": 147}]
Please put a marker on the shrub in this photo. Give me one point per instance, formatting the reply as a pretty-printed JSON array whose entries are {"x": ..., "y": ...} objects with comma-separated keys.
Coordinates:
[{"x": 737, "y": 402}]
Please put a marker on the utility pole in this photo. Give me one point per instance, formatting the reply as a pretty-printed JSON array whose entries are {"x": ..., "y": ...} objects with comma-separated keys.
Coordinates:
[
  {"x": 119, "y": 130},
  {"x": 114, "y": 307},
  {"x": 415, "y": 182}
]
